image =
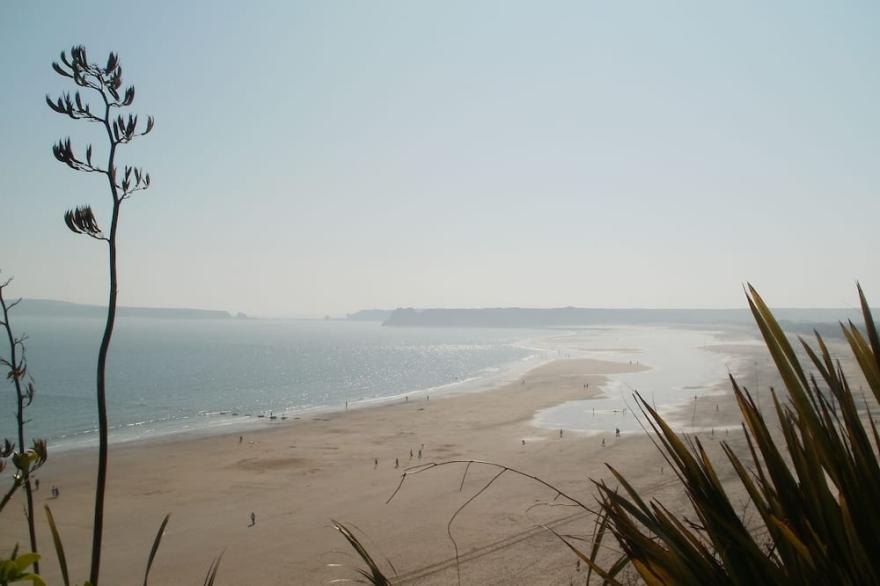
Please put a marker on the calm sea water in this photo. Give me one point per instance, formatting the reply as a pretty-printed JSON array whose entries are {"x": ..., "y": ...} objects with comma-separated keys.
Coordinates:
[
  {"x": 205, "y": 376},
  {"x": 168, "y": 376}
]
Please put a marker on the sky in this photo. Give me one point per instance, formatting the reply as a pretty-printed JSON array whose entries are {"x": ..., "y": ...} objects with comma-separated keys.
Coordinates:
[{"x": 321, "y": 157}]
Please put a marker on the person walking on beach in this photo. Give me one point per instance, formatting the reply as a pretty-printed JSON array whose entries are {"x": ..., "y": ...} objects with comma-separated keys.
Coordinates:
[
  {"x": 617, "y": 431},
  {"x": 410, "y": 454},
  {"x": 375, "y": 463},
  {"x": 420, "y": 453},
  {"x": 396, "y": 462},
  {"x": 253, "y": 519},
  {"x": 560, "y": 434}
]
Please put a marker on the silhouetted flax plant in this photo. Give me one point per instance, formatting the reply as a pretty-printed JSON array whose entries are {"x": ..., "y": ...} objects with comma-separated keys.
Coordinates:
[
  {"x": 105, "y": 82},
  {"x": 815, "y": 491},
  {"x": 25, "y": 461}
]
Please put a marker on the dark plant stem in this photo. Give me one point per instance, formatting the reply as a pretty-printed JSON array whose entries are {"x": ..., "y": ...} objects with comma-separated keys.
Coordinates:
[
  {"x": 106, "y": 81},
  {"x": 98, "y": 526},
  {"x": 16, "y": 378},
  {"x": 9, "y": 493}
]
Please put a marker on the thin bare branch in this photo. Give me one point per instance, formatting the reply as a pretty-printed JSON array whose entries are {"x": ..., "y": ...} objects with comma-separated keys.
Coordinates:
[
  {"x": 433, "y": 465},
  {"x": 459, "y": 510},
  {"x": 463, "y": 476}
]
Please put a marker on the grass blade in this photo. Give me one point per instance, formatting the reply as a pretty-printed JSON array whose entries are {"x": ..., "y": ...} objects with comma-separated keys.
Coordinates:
[
  {"x": 375, "y": 576},
  {"x": 59, "y": 546},
  {"x": 155, "y": 547},
  {"x": 212, "y": 570}
]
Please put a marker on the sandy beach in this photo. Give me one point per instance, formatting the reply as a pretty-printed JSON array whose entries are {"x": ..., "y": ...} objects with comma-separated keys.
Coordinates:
[{"x": 296, "y": 476}]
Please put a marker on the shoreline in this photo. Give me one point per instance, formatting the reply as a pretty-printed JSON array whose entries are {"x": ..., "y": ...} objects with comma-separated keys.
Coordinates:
[
  {"x": 295, "y": 478},
  {"x": 231, "y": 425},
  {"x": 542, "y": 348}
]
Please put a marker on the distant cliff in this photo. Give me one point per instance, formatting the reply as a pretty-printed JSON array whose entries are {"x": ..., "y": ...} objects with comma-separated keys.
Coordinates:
[
  {"x": 515, "y": 317},
  {"x": 371, "y": 315},
  {"x": 50, "y": 308}
]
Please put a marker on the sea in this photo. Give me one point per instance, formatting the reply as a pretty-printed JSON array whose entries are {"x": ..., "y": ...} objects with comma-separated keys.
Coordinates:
[
  {"x": 169, "y": 376},
  {"x": 204, "y": 376}
]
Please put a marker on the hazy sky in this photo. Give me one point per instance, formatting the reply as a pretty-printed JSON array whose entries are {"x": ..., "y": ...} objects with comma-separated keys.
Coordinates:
[{"x": 322, "y": 157}]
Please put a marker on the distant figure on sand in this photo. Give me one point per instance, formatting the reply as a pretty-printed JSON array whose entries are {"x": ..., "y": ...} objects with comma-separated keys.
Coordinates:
[
  {"x": 55, "y": 492},
  {"x": 346, "y": 405},
  {"x": 410, "y": 454},
  {"x": 240, "y": 438},
  {"x": 524, "y": 442},
  {"x": 560, "y": 434},
  {"x": 36, "y": 484},
  {"x": 396, "y": 462},
  {"x": 253, "y": 519},
  {"x": 420, "y": 453},
  {"x": 617, "y": 431},
  {"x": 375, "y": 463},
  {"x": 603, "y": 442}
]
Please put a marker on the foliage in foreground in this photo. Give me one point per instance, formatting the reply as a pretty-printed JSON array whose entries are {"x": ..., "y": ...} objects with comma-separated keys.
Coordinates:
[
  {"x": 15, "y": 569},
  {"x": 816, "y": 496},
  {"x": 374, "y": 575}
]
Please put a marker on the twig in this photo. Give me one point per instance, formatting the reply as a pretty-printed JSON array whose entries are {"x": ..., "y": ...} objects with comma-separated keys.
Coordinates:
[
  {"x": 432, "y": 465},
  {"x": 468, "y": 463}
]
